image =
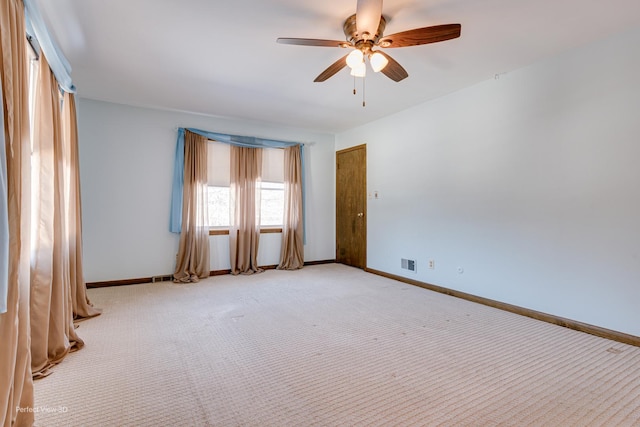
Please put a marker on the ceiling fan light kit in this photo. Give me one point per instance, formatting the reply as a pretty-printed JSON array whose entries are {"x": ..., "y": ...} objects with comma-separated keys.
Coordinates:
[
  {"x": 364, "y": 31},
  {"x": 378, "y": 61},
  {"x": 359, "y": 70},
  {"x": 355, "y": 58}
]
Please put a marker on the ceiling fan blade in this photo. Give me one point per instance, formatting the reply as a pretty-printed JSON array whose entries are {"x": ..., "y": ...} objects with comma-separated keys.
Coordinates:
[
  {"x": 368, "y": 13},
  {"x": 313, "y": 42},
  {"x": 418, "y": 36},
  {"x": 393, "y": 70},
  {"x": 332, "y": 69}
]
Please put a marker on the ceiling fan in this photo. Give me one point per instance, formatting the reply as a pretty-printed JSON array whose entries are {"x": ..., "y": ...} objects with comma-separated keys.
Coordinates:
[{"x": 364, "y": 32}]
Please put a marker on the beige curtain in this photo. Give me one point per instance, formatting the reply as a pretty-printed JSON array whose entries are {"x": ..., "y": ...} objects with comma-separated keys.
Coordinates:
[
  {"x": 292, "y": 249},
  {"x": 52, "y": 330},
  {"x": 16, "y": 386},
  {"x": 244, "y": 232},
  {"x": 193, "y": 254},
  {"x": 81, "y": 306}
]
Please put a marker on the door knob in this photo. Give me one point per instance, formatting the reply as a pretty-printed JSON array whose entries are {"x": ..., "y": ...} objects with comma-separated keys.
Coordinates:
[{"x": 360, "y": 214}]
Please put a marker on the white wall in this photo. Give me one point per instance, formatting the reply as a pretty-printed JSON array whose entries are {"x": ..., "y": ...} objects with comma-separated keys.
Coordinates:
[
  {"x": 126, "y": 160},
  {"x": 530, "y": 183}
]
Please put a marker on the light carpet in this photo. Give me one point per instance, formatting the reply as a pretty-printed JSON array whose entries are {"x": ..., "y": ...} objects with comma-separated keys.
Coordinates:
[{"x": 330, "y": 345}]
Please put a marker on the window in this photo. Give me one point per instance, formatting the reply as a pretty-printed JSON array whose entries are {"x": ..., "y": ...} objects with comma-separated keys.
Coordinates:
[
  {"x": 272, "y": 204},
  {"x": 271, "y": 189},
  {"x": 218, "y": 206}
]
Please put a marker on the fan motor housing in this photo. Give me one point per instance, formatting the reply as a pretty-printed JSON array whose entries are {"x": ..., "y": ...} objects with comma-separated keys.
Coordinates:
[{"x": 351, "y": 31}]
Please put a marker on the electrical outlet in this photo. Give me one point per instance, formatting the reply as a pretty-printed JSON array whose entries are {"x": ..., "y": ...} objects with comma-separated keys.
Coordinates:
[{"x": 431, "y": 264}]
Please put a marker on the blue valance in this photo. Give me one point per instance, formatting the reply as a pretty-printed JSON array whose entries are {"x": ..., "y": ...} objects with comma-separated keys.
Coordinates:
[
  {"x": 57, "y": 62},
  {"x": 241, "y": 141}
]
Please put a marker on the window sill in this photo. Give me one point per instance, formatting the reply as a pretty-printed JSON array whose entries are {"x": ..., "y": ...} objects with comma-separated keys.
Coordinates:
[{"x": 225, "y": 231}]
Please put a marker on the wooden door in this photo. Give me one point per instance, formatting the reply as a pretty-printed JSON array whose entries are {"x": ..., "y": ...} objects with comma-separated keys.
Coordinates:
[{"x": 351, "y": 206}]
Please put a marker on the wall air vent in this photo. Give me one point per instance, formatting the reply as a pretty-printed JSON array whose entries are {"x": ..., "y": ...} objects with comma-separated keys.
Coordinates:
[{"x": 408, "y": 264}]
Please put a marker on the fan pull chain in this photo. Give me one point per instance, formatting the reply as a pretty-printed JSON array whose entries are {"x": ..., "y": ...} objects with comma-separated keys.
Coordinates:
[{"x": 363, "y": 92}]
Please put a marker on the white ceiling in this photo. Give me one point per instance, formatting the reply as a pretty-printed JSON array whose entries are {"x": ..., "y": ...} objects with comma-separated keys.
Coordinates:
[{"x": 221, "y": 57}]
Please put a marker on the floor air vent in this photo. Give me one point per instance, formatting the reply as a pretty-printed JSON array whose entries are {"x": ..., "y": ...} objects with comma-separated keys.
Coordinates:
[{"x": 408, "y": 264}]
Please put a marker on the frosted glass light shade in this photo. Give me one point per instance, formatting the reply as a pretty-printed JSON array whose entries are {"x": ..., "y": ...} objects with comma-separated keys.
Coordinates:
[
  {"x": 355, "y": 58},
  {"x": 378, "y": 61},
  {"x": 359, "y": 70}
]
